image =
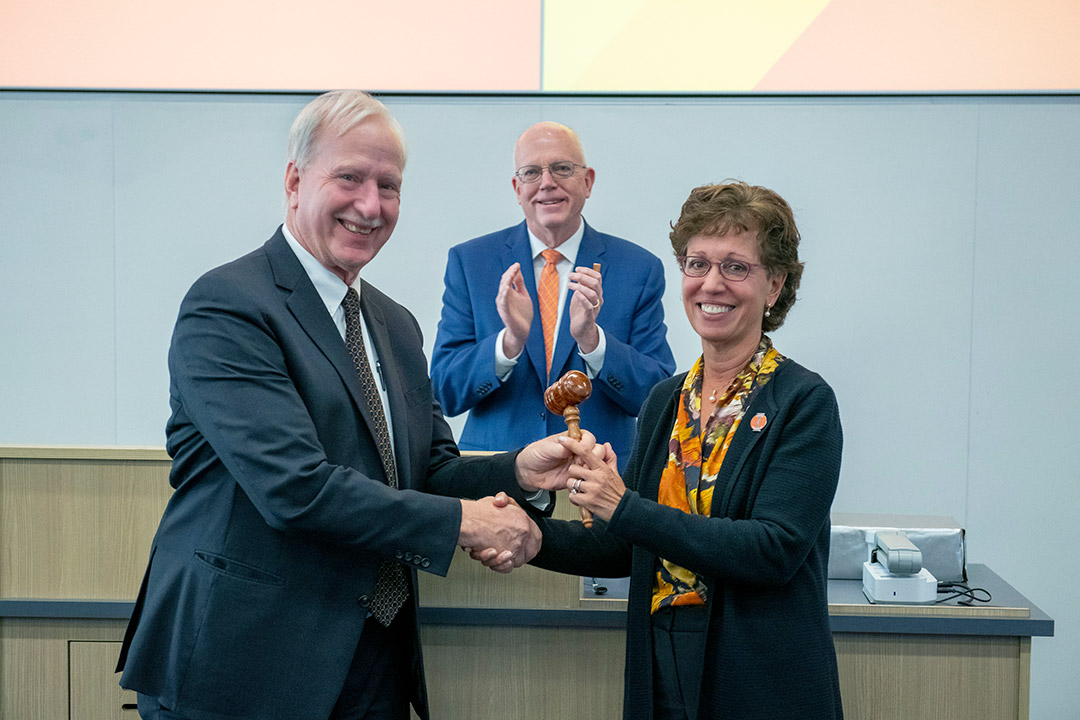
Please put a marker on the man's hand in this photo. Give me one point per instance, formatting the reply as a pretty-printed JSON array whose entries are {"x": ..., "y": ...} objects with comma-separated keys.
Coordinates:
[
  {"x": 545, "y": 464},
  {"x": 502, "y": 562},
  {"x": 509, "y": 537},
  {"x": 515, "y": 309},
  {"x": 585, "y": 303}
]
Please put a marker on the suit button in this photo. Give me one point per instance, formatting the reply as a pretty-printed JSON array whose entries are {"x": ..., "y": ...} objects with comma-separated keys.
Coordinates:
[
  {"x": 398, "y": 554},
  {"x": 426, "y": 563},
  {"x": 408, "y": 556},
  {"x": 417, "y": 560},
  {"x": 363, "y": 601}
]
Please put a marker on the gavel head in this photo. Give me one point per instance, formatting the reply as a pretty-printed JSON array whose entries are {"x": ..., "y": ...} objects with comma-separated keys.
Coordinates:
[{"x": 573, "y": 388}]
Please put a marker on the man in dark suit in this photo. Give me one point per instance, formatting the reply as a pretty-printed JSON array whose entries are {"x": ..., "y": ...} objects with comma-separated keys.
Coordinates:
[
  {"x": 497, "y": 350},
  {"x": 313, "y": 471}
]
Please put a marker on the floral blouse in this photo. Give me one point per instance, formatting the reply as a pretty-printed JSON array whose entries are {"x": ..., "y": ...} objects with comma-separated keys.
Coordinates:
[{"x": 687, "y": 483}]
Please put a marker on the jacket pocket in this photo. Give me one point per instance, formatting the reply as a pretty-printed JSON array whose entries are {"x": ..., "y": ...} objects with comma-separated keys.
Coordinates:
[{"x": 237, "y": 569}]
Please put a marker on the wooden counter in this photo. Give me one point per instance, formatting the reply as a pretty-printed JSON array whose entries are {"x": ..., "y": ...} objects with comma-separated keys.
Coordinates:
[{"x": 76, "y": 526}]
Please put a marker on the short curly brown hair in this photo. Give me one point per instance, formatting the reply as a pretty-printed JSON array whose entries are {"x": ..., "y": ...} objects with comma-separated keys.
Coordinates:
[{"x": 736, "y": 206}]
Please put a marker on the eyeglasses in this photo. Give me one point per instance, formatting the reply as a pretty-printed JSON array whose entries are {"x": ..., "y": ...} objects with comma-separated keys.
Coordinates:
[
  {"x": 698, "y": 267},
  {"x": 532, "y": 173}
]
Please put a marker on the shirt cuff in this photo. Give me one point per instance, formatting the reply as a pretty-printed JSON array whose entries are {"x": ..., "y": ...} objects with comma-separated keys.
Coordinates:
[
  {"x": 541, "y": 500},
  {"x": 504, "y": 365},
  {"x": 594, "y": 361}
]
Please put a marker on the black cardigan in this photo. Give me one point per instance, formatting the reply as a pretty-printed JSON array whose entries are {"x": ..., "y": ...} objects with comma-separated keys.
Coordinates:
[{"x": 764, "y": 553}]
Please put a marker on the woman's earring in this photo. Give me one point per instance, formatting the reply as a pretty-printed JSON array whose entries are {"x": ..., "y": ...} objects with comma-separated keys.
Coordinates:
[{"x": 767, "y": 310}]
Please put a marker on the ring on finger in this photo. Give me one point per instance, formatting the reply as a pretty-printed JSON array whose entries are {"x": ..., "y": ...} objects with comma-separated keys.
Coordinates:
[{"x": 596, "y": 304}]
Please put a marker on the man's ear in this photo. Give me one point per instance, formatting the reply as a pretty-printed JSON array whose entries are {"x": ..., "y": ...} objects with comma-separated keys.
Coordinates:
[
  {"x": 590, "y": 178},
  {"x": 517, "y": 190},
  {"x": 292, "y": 184}
]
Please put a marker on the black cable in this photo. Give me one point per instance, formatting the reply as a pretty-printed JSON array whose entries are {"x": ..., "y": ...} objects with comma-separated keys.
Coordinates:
[{"x": 961, "y": 590}]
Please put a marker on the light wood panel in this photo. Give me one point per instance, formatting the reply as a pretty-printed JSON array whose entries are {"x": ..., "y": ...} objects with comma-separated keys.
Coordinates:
[
  {"x": 523, "y": 673},
  {"x": 94, "y": 689},
  {"x": 83, "y": 452},
  {"x": 967, "y": 611},
  {"x": 78, "y": 528},
  {"x": 34, "y": 663},
  {"x": 509, "y": 672},
  {"x": 936, "y": 677},
  {"x": 81, "y": 527}
]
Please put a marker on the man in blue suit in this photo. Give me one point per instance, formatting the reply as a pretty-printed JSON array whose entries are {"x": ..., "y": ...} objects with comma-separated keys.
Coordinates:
[
  {"x": 490, "y": 357},
  {"x": 313, "y": 471}
]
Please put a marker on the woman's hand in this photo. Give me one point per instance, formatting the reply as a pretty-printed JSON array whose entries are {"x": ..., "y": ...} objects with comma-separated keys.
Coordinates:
[{"x": 594, "y": 481}]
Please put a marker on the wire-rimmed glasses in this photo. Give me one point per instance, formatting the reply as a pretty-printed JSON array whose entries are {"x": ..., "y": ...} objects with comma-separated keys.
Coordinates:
[
  {"x": 562, "y": 169},
  {"x": 698, "y": 267}
]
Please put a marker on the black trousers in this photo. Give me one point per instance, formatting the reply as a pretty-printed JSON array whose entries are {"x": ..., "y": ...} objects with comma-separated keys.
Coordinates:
[
  {"x": 151, "y": 709},
  {"x": 378, "y": 682},
  {"x": 678, "y": 636},
  {"x": 377, "y": 686}
]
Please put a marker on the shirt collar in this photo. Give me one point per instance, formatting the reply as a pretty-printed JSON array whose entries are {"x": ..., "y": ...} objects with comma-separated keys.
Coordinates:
[
  {"x": 569, "y": 247},
  {"x": 330, "y": 287}
]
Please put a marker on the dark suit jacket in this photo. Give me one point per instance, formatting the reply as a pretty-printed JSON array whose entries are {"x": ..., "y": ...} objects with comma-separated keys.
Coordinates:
[
  {"x": 266, "y": 556},
  {"x": 764, "y": 553},
  {"x": 511, "y": 414}
]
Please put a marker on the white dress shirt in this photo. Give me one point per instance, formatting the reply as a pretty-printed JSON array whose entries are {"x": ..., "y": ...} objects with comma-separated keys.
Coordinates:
[{"x": 332, "y": 291}]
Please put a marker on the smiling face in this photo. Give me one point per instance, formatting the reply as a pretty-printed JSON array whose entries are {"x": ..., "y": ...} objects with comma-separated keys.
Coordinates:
[
  {"x": 342, "y": 207},
  {"x": 552, "y": 205},
  {"x": 727, "y": 315}
]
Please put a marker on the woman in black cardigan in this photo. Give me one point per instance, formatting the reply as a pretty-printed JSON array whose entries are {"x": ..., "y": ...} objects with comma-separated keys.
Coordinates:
[{"x": 722, "y": 518}]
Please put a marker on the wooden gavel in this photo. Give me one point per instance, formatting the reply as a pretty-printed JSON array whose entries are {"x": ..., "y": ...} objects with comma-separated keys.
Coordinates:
[{"x": 562, "y": 398}]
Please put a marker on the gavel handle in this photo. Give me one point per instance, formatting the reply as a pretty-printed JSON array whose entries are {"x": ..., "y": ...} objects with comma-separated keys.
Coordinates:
[{"x": 573, "y": 431}]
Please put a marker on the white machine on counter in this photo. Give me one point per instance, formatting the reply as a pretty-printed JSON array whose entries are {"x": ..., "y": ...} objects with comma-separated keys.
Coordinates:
[{"x": 894, "y": 572}]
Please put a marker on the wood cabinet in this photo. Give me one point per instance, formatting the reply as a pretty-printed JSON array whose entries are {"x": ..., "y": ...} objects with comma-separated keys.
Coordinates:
[
  {"x": 92, "y": 687},
  {"x": 75, "y": 531}
]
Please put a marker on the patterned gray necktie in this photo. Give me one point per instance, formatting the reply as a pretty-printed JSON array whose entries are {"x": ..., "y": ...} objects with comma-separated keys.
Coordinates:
[{"x": 391, "y": 587}]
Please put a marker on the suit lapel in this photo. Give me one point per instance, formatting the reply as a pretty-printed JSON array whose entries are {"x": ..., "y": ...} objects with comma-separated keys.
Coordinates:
[
  {"x": 307, "y": 307},
  {"x": 518, "y": 250}
]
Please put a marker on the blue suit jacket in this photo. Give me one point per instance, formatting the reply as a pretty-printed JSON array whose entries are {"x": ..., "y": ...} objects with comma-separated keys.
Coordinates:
[
  {"x": 510, "y": 414},
  {"x": 266, "y": 556}
]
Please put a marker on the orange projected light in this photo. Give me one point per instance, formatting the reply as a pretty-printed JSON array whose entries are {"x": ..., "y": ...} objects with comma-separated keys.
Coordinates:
[
  {"x": 598, "y": 46},
  {"x": 811, "y": 46},
  {"x": 923, "y": 45},
  {"x": 413, "y": 45}
]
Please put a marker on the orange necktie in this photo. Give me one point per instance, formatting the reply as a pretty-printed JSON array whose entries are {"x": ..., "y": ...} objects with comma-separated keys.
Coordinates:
[{"x": 548, "y": 292}]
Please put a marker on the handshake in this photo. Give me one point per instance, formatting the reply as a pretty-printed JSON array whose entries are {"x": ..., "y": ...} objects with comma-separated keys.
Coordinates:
[{"x": 497, "y": 532}]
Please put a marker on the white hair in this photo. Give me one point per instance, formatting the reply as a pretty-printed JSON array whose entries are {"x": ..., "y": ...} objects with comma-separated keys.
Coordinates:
[{"x": 338, "y": 111}]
